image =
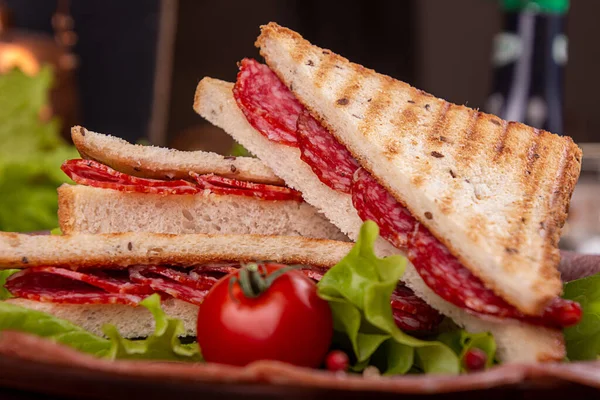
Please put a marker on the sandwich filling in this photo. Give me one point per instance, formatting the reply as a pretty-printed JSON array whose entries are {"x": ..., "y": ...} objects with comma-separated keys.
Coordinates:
[
  {"x": 131, "y": 286},
  {"x": 93, "y": 173},
  {"x": 272, "y": 109}
]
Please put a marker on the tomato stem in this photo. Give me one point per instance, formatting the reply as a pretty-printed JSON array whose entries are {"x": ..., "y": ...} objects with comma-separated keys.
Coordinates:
[{"x": 254, "y": 280}]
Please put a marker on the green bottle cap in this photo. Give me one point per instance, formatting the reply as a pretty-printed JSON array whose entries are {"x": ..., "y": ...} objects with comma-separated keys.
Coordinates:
[{"x": 543, "y": 6}]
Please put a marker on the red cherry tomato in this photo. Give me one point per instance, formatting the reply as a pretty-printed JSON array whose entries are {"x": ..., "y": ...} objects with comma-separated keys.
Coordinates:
[{"x": 286, "y": 322}]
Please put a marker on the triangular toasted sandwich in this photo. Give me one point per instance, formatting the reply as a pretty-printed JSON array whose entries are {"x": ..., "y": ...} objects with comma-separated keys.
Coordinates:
[
  {"x": 475, "y": 202},
  {"x": 129, "y": 188}
]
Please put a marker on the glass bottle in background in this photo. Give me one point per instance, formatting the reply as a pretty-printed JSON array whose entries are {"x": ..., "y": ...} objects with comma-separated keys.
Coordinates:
[{"x": 528, "y": 61}]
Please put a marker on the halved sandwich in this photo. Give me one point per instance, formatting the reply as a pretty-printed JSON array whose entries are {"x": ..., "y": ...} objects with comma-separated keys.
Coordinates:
[
  {"x": 476, "y": 203},
  {"x": 124, "y": 187}
]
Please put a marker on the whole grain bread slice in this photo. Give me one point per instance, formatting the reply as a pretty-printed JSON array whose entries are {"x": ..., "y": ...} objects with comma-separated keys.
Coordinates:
[
  {"x": 496, "y": 193},
  {"x": 163, "y": 163}
]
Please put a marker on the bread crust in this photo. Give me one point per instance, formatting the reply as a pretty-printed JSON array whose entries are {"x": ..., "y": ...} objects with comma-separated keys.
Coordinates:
[
  {"x": 162, "y": 163},
  {"x": 441, "y": 159},
  {"x": 121, "y": 250}
]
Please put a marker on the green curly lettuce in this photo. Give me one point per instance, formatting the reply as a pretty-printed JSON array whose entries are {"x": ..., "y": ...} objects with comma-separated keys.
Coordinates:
[
  {"x": 358, "y": 290},
  {"x": 30, "y": 155},
  {"x": 583, "y": 339},
  {"x": 163, "y": 344}
]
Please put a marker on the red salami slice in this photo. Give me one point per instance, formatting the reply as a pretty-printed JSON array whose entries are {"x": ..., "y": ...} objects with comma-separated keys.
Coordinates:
[
  {"x": 440, "y": 270},
  {"x": 192, "y": 279},
  {"x": 221, "y": 185},
  {"x": 92, "y": 173},
  {"x": 46, "y": 286},
  {"x": 411, "y": 313},
  {"x": 329, "y": 160},
  {"x": 269, "y": 106},
  {"x": 146, "y": 276}
]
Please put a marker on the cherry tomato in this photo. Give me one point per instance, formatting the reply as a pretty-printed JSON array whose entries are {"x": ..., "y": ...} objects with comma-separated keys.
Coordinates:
[{"x": 285, "y": 321}]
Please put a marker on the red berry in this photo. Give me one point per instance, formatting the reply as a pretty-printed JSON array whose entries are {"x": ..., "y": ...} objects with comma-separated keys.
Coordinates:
[
  {"x": 337, "y": 360},
  {"x": 475, "y": 359}
]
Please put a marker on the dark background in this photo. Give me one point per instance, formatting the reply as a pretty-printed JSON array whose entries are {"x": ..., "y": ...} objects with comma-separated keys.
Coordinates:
[{"x": 442, "y": 47}]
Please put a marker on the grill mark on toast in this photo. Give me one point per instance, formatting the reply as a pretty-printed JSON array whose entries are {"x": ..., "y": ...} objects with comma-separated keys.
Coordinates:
[
  {"x": 446, "y": 204},
  {"x": 323, "y": 70},
  {"x": 501, "y": 143},
  {"x": 349, "y": 88},
  {"x": 521, "y": 213},
  {"x": 435, "y": 137},
  {"x": 433, "y": 142},
  {"x": 552, "y": 224},
  {"x": 376, "y": 107}
]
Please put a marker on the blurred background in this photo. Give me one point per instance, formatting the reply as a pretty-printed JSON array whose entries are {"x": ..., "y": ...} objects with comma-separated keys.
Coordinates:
[{"x": 130, "y": 68}]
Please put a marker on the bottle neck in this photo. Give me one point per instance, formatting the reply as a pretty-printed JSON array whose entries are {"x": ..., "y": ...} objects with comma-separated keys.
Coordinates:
[{"x": 528, "y": 60}]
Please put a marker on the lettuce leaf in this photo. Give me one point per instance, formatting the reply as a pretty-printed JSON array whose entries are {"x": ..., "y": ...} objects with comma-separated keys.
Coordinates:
[
  {"x": 583, "y": 339},
  {"x": 163, "y": 344},
  {"x": 31, "y": 153},
  {"x": 17, "y": 318},
  {"x": 4, "y": 274},
  {"x": 358, "y": 290}
]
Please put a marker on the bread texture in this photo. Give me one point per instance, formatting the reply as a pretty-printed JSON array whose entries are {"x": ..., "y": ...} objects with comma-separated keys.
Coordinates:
[
  {"x": 497, "y": 192},
  {"x": 162, "y": 163},
  {"x": 132, "y": 322},
  {"x": 121, "y": 250},
  {"x": 84, "y": 209},
  {"x": 516, "y": 342}
]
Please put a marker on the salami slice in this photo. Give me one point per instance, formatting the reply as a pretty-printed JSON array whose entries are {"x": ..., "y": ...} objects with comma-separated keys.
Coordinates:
[
  {"x": 329, "y": 159},
  {"x": 146, "y": 275},
  {"x": 222, "y": 185},
  {"x": 92, "y": 173},
  {"x": 269, "y": 106},
  {"x": 46, "y": 286},
  {"x": 440, "y": 270}
]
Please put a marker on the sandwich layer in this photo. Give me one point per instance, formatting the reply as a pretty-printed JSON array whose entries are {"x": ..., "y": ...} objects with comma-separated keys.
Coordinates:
[
  {"x": 162, "y": 163},
  {"x": 517, "y": 342},
  {"x": 84, "y": 209},
  {"x": 121, "y": 250},
  {"x": 494, "y": 193}
]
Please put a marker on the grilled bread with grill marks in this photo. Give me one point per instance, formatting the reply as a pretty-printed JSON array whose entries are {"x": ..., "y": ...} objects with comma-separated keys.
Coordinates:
[{"x": 497, "y": 192}]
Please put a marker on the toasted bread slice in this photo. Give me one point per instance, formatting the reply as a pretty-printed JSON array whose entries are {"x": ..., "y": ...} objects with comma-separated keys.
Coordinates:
[
  {"x": 162, "y": 163},
  {"x": 516, "y": 342},
  {"x": 121, "y": 250},
  {"x": 133, "y": 322},
  {"x": 84, "y": 209},
  {"x": 497, "y": 191}
]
